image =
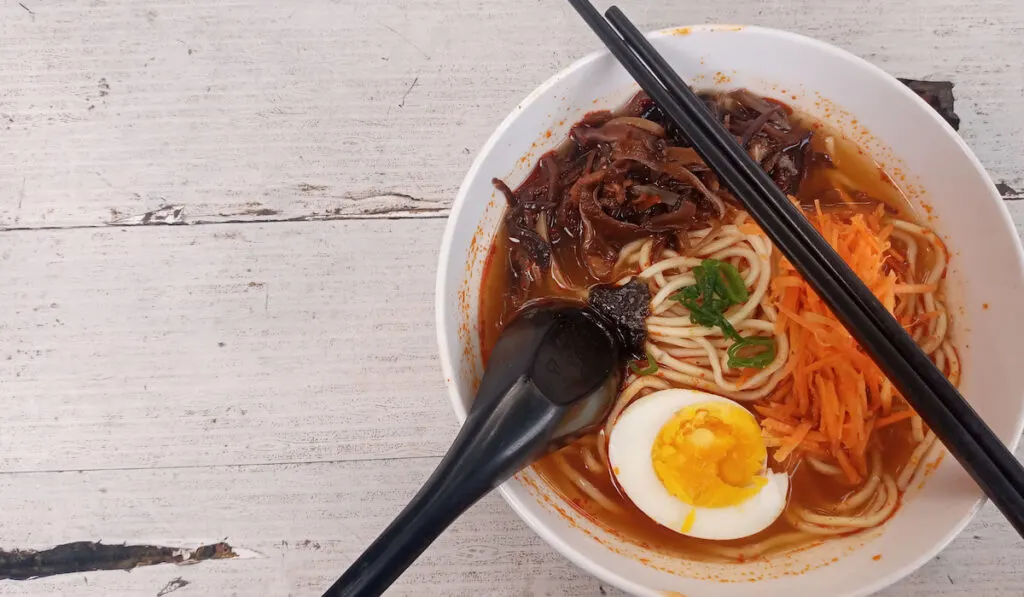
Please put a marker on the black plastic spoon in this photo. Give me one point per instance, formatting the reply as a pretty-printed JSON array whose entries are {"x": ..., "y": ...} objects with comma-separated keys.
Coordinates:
[{"x": 553, "y": 376}]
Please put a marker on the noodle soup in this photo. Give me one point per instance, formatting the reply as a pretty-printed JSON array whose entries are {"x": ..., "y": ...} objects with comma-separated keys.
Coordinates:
[{"x": 627, "y": 198}]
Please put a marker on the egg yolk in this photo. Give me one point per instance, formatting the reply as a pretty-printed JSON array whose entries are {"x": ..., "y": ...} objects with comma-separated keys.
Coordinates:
[{"x": 711, "y": 455}]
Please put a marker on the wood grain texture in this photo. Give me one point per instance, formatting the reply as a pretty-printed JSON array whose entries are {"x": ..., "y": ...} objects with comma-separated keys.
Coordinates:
[
  {"x": 190, "y": 111},
  {"x": 269, "y": 375},
  {"x": 300, "y": 524},
  {"x": 210, "y": 345},
  {"x": 312, "y": 425}
]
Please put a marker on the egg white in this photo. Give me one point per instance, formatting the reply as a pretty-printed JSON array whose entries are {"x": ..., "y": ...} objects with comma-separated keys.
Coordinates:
[{"x": 629, "y": 451}]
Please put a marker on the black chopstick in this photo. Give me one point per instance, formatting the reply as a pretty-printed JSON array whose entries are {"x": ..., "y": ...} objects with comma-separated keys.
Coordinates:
[
  {"x": 919, "y": 364},
  {"x": 791, "y": 216},
  {"x": 955, "y": 423},
  {"x": 827, "y": 257},
  {"x": 918, "y": 361}
]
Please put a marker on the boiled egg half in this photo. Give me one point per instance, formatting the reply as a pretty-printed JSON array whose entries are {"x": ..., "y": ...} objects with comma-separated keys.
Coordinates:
[{"x": 695, "y": 463}]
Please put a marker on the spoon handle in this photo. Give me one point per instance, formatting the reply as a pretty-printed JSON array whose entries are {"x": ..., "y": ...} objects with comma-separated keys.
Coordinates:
[
  {"x": 499, "y": 437},
  {"x": 422, "y": 520},
  {"x": 552, "y": 376}
]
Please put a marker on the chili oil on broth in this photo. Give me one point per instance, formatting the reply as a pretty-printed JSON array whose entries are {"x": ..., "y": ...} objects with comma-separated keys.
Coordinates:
[{"x": 849, "y": 183}]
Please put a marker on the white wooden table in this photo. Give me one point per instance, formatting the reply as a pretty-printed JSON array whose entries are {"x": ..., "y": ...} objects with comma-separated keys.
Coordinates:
[{"x": 265, "y": 372}]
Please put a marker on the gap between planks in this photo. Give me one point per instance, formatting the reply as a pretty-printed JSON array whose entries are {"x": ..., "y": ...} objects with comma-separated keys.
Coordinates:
[
  {"x": 194, "y": 345},
  {"x": 227, "y": 220},
  {"x": 178, "y": 112},
  {"x": 171, "y": 346},
  {"x": 304, "y": 523}
]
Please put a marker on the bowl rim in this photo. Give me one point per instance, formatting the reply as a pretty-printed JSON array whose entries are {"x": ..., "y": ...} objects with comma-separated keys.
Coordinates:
[{"x": 549, "y": 534}]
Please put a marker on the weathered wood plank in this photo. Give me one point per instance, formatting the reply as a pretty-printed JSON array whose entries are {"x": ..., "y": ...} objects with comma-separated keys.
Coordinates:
[
  {"x": 1017, "y": 213},
  {"x": 184, "y": 111},
  {"x": 120, "y": 113},
  {"x": 306, "y": 522},
  {"x": 198, "y": 345},
  {"x": 302, "y": 525},
  {"x": 213, "y": 345},
  {"x": 131, "y": 378}
]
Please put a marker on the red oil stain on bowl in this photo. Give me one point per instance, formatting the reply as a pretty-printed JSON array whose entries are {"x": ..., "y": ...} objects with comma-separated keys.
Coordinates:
[
  {"x": 928, "y": 469},
  {"x": 476, "y": 256}
]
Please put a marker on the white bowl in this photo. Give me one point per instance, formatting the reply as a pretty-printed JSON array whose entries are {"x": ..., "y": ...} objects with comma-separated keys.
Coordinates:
[{"x": 924, "y": 155}]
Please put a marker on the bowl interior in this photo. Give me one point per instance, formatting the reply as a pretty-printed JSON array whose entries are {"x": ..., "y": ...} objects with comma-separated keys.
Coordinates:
[{"x": 946, "y": 184}]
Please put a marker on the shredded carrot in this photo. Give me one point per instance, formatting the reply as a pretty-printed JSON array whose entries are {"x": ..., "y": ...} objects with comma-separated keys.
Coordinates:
[
  {"x": 816, "y": 437},
  {"x": 787, "y": 281},
  {"x": 844, "y": 463},
  {"x": 776, "y": 425},
  {"x": 791, "y": 442},
  {"x": 826, "y": 321},
  {"x": 837, "y": 397},
  {"x": 818, "y": 450},
  {"x": 775, "y": 412},
  {"x": 915, "y": 288},
  {"x": 894, "y": 418},
  {"x": 750, "y": 228}
]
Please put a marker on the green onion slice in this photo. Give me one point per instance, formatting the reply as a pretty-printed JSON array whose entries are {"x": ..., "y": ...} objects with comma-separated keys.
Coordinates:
[
  {"x": 761, "y": 358},
  {"x": 648, "y": 368},
  {"x": 732, "y": 285}
]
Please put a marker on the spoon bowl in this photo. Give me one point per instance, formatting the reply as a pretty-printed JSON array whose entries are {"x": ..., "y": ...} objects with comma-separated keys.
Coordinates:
[{"x": 554, "y": 374}]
